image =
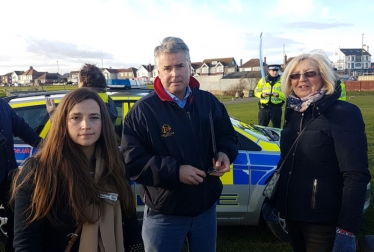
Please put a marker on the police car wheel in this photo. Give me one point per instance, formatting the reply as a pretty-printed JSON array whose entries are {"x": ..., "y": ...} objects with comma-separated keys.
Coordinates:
[
  {"x": 3, "y": 221},
  {"x": 278, "y": 231}
]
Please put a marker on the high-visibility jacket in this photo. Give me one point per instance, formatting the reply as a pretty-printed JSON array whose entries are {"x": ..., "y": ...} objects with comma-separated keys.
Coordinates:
[
  {"x": 110, "y": 105},
  {"x": 266, "y": 87},
  {"x": 343, "y": 94}
]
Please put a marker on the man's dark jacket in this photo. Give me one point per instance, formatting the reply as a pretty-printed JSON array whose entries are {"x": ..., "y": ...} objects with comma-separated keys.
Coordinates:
[
  {"x": 159, "y": 136},
  {"x": 324, "y": 179},
  {"x": 12, "y": 124}
]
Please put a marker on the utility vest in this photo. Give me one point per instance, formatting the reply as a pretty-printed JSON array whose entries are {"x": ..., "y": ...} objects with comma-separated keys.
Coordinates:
[
  {"x": 343, "y": 94},
  {"x": 266, "y": 87}
]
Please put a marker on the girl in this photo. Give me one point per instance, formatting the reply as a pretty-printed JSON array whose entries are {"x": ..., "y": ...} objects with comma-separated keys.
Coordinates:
[{"x": 76, "y": 182}]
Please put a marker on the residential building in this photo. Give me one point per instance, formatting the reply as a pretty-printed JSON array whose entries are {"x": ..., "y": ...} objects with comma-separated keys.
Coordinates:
[
  {"x": 29, "y": 76},
  {"x": 16, "y": 76},
  {"x": 252, "y": 65},
  {"x": 109, "y": 73},
  {"x": 6, "y": 79},
  {"x": 196, "y": 68},
  {"x": 219, "y": 66},
  {"x": 145, "y": 73},
  {"x": 74, "y": 77},
  {"x": 48, "y": 79},
  {"x": 127, "y": 73},
  {"x": 353, "y": 61}
]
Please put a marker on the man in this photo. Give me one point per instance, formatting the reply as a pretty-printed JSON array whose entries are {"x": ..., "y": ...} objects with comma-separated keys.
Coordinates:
[
  {"x": 269, "y": 92},
  {"x": 167, "y": 141},
  {"x": 11, "y": 125},
  {"x": 91, "y": 76}
]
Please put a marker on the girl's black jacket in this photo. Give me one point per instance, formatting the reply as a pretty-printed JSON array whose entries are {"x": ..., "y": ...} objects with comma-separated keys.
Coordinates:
[
  {"x": 325, "y": 177},
  {"x": 159, "y": 136}
]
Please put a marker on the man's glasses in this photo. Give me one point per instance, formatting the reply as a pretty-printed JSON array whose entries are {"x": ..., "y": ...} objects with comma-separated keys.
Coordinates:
[{"x": 308, "y": 74}]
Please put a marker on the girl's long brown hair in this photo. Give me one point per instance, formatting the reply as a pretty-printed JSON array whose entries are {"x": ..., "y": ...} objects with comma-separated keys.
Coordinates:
[{"x": 61, "y": 166}]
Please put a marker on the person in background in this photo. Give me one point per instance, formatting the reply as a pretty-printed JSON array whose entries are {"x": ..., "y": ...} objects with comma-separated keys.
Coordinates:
[
  {"x": 269, "y": 92},
  {"x": 11, "y": 125},
  {"x": 343, "y": 94},
  {"x": 167, "y": 142},
  {"x": 322, "y": 185},
  {"x": 76, "y": 186},
  {"x": 91, "y": 76}
]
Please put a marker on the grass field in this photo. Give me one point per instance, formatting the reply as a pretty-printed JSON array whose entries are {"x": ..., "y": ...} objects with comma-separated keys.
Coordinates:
[{"x": 259, "y": 238}]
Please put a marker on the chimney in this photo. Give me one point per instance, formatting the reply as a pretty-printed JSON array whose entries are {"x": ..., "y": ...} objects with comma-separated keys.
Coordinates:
[
  {"x": 264, "y": 60},
  {"x": 30, "y": 67},
  {"x": 241, "y": 62}
]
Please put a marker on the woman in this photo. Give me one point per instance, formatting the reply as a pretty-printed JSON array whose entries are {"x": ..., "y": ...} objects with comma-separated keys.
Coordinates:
[
  {"x": 76, "y": 180},
  {"x": 324, "y": 177}
]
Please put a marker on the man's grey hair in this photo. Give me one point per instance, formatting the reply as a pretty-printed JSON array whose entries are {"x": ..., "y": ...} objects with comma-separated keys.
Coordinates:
[{"x": 171, "y": 45}]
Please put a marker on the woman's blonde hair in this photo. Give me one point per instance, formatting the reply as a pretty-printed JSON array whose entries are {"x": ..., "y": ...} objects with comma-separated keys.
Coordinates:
[{"x": 324, "y": 68}]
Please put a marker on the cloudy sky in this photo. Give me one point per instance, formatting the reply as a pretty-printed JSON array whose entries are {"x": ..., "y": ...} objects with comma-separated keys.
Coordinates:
[{"x": 62, "y": 35}]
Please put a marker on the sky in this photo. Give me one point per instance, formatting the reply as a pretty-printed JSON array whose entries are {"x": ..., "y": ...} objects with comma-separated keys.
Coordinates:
[{"x": 61, "y": 35}]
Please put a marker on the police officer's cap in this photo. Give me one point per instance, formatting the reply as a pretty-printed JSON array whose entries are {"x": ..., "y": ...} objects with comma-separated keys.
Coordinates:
[{"x": 273, "y": 67}]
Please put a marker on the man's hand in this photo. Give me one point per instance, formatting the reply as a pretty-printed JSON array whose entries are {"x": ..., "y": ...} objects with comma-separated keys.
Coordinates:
[
  {"x": 275, "y": 94},
  {"x": 190, "y": 175},
  {"x": 265, "y": 94},
  {"x": 222, "y": 164},
  {"x": 50, "y": 105}
]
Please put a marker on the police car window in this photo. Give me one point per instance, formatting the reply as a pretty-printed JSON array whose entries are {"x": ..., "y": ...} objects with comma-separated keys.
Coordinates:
[
  {"x": 35, "y": 116},
  {"x": 247, "y": 144}
]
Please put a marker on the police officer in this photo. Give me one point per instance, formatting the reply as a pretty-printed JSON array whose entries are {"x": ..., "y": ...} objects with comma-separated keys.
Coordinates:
[
  {"x": 269, "y": 92},
  {"x": 11, "y": 125},
  {"x": 343, "y": 94}
]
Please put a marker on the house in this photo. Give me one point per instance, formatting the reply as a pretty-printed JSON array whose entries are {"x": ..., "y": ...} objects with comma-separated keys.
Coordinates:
[
  {"x": 74, "y": 77},
  {"x": 219, "y": 66},
  {"x": 196, "y": 68},
  {"x": 127, "y": 73},
  {"x": 353, "y": 61},
  {"x": 29, "y": 76},
  {"x": 65, "y": 77},
  {"x": 16, "y": 76},
  {"x": 145, "y": 73},
  {"x": 252, "y": 65},
  {"x": 110, "y": 74},
  {"x": 48, "y": 79},
  {"x": 6, "y": 79}
]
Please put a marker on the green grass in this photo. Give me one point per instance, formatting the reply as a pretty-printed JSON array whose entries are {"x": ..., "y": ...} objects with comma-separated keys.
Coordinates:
[
  {"x": 3, "y": 90},
  {"x": 259, "y": 238}
]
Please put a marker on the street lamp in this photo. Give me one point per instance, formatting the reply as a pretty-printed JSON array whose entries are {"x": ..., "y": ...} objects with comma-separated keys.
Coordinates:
[
  {"x": 57, "y": 67},
  {"x": 102, "y": 63},
  {"x": 362, "y": 53}
]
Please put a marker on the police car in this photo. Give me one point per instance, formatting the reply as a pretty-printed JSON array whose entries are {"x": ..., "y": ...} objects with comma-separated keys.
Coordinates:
[{"x": 241, "y": 199}]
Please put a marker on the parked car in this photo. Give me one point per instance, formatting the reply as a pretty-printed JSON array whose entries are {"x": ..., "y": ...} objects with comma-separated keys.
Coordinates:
[{"x": 241, "y": 199}]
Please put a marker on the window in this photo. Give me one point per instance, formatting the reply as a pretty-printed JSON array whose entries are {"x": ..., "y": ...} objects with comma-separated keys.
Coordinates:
[
  {"x": 35, "y": 116},
  {"x": 219, "y": 69},
  {"x": 205, "y": 70}
]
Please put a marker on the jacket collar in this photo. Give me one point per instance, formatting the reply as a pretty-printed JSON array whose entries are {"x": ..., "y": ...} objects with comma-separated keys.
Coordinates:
[{"x": 160, "y": 91}]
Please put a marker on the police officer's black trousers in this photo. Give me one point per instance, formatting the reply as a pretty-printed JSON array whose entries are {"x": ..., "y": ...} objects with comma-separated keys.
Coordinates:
[{"x": 267, "y": 113}]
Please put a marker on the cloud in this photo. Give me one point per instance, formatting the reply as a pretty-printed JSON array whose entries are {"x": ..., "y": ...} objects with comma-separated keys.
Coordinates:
[{"x": 59, "y": 49}]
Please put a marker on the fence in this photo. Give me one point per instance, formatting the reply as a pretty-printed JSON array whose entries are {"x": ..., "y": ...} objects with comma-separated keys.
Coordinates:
[{"x": 359, "y": 85}]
